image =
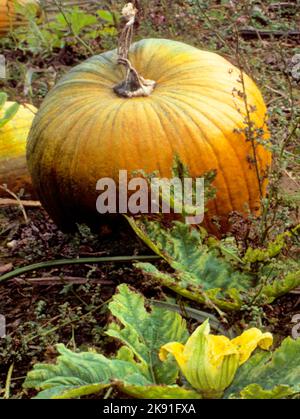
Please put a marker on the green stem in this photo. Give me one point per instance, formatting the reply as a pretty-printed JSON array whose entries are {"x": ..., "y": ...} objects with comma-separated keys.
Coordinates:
[
  {"x": 61, "y": 262},
  {"x": 69, "y": 24},
  {"x": 8, "y": 382},
  {"x": 213, "y": 394}
]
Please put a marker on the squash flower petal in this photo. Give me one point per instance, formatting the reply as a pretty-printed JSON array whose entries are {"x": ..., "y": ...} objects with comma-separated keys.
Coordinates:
[
  {"x": 176, "y": 349},
  {"x": 249, "y": 340},
  {"x": 209, "y": 362}
]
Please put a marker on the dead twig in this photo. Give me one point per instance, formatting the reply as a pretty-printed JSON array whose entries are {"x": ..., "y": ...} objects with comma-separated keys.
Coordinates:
[
  {"x": 17, "y": 201},
  {"x": 295, "y": 291},
  {"x": 26, "y": 204},
  {"x": 252, "y": 33},
  {"x": 57, "y": 280}
]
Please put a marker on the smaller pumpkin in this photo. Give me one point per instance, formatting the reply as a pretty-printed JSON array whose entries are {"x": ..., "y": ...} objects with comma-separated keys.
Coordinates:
[
  {"x": 15, "y": 123},
  {"x": 10, "y": 19}
]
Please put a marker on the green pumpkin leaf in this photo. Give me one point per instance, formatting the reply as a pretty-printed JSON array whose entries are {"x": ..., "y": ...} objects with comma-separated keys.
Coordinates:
[
  {"x": 200, "y": 273},
  {"x": 80, "y": 374},
  {"x": 144, "y": 332},
  {"x": 280, "y": 286},
  {"x": 183, "y": 285},
  {"x": 76, "y": 18},
  {"x": 106, "y": 15},
  {"x": 273, "y": 249},
  {"x": 67, "y": 392},
  {"x": 160, "y": 392},
  {"x": 211, "y": 272},
  {"x": 254, "y": 391},
  {"x": 275, "y": 372}
]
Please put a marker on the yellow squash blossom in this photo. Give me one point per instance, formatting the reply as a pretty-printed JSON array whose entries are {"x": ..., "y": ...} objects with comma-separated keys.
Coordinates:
[{"x": 210, "y": 362}]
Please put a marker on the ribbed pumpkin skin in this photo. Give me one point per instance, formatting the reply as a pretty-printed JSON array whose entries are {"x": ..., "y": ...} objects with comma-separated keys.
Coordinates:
[
  {"x": 8, "y": 17},
  {"x": 13, "y": 136},
  {"x": 84, "y": 132}
]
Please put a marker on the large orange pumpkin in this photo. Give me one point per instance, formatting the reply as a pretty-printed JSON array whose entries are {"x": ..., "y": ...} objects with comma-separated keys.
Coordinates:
[
  {"x": 9, "y": 19},
  {"x": 84, "y": 131}
]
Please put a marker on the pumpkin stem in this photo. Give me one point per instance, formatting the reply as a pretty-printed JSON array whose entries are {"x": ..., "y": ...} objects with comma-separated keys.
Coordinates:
[{"x": 134, "y": 85}]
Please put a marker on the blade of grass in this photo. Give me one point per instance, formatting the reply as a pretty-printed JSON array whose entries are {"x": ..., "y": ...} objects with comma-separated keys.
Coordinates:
[
  {"x": 62, "y": 262},
  {"x": 8, "y": 382}
]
